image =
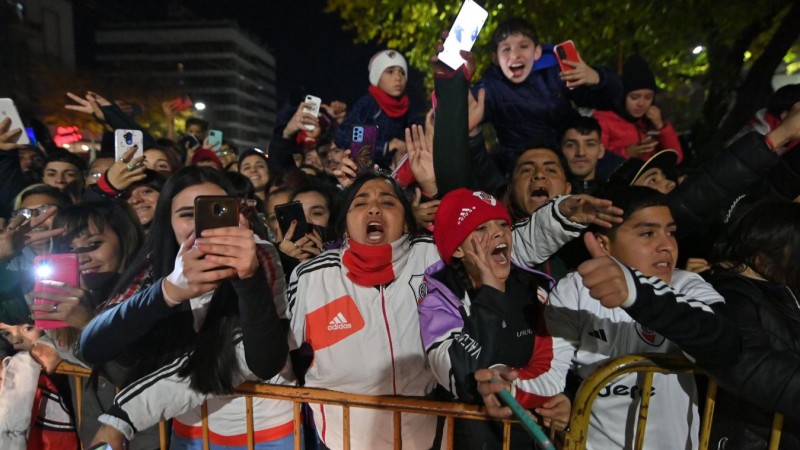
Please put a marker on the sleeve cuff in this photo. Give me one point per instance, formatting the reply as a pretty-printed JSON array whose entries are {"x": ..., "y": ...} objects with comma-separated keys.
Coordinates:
[
  {"x": 118, "y": 424},
  {"x": 631, "y": 286},
  {"x": 561, "y": 218}
]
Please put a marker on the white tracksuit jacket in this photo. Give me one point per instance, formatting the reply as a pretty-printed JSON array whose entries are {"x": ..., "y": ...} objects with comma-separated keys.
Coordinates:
[
  {"x": 366, "y": 340},
  {"x": 596, "y": 334}
]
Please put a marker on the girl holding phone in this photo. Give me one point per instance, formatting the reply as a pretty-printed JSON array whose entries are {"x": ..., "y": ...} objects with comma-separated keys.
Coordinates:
[{"x": 191, "y": 318}]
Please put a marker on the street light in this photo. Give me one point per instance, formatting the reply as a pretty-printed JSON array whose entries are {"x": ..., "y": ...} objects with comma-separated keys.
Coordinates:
[
  {"x": 199, "y": 106},
  {"x": 697, "y": 50}
]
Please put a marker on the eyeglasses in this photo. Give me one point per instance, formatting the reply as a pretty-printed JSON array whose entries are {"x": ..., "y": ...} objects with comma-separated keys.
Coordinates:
[
  {"x": 95, "y": 174},
  {"x": 223, "y": 152},
  {"x": 31, "y": 212}
]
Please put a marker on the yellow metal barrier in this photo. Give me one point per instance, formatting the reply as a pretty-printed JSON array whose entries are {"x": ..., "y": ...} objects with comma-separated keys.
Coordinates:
[
  {"x": 573, "y": 439},
  {"x": 298, "y": 395},
  {"x": 576, "y": 436}
]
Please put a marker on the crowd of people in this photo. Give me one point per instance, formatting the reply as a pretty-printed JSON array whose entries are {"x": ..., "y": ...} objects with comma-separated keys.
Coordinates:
[{"x": 424, "y": 264}]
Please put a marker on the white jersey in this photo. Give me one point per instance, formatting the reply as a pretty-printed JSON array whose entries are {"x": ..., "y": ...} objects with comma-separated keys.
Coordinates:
[{"x": 598, "y": 333}]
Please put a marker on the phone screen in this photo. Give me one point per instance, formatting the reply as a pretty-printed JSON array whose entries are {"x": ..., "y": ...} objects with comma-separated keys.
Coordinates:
[
  {"x": 288, "y": 212},
  {"x": 362, "y": 146},
  {"x": 215, "y": 211},
  {"x": 463, "y": 34},
  {"x": 61, "y": 267}
]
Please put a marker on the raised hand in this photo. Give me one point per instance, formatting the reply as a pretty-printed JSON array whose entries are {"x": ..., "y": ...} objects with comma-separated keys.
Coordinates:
[
  {"x": 424, "y": 213},
  {"x": 347, "y": 171},
  {"x": 337, "y": 110},
  {"x": 588, "y": 210},
  {"x": 18, "y": 233},
  {"x": 653, "y": 114},
  {"x": 581, "y": 74},
  {"x": 301, "y": 121},
  {"x": 9, "y": 138},
  {"x": 193, "y": 274},
  {"x": 72, "y": 305},
  {"x": 420, "y": 159},
  {"x": 602, "y": 275},
  {"x": 126, "y": 170},
  {"x": 304, "y": 248},
  {"x": 476, "y": 260},
  {"x": 231, "y": 247}
]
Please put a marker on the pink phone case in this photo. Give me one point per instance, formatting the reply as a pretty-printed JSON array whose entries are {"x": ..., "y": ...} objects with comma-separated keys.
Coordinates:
[{"x": 61, "y": 267}]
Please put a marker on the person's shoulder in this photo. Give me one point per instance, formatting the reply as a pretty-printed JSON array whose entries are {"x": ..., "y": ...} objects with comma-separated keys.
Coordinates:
[
  {"x": 691, "y": 286},
  {"x": 570, "y": 291},
  {"x": 325, "y": 262}
]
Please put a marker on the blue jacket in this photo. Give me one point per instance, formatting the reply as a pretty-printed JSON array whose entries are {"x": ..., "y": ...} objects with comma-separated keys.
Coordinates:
[
  {"x": 366, "y": 111},
  {"x": 533, "y": 111}
]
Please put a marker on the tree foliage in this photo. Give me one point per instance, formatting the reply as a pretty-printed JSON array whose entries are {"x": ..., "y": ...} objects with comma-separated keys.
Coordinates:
[{"x": 664, "y": 33}]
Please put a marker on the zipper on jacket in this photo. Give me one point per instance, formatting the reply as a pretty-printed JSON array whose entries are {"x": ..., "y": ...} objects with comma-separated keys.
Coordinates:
[{"x": 391, "y": 345}]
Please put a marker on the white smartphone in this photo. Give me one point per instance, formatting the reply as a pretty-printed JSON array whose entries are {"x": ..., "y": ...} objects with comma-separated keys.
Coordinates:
[
  {"x": 464, "y": 33},
  {"x": 7, "y": 109},
  {"x": 125, "y": 139},
  {"x": 316, "y": 103}
]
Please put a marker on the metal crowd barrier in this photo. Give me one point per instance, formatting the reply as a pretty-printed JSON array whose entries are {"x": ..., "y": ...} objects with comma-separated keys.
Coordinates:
[{"x": 573, "y": 439}]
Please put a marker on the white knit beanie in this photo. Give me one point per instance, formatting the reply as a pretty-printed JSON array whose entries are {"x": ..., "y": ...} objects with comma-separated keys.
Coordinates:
[{"x": 383, "y": 60}]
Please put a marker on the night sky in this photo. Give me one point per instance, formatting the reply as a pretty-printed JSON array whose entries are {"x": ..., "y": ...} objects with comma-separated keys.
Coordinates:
[{"x": 314, "y": 54}]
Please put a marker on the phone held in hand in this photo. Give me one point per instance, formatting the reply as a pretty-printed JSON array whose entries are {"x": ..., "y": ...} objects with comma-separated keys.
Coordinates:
[
  {"x": 653, "y": 134},
  {"x": 215, "y": 211},
  {"x": 316, "y": 104},
  {"x": 8, "y": 109},
  {"x": 566, "y": 51},
  {"x": 289, "y": 212},
  {"x": 125, "y": 139},
  {"x": 362, "y": 146},
  {"x": 61, "y": 267},
  {"x": 215, "y": 140},
  {"x": 463, "y": 33}
]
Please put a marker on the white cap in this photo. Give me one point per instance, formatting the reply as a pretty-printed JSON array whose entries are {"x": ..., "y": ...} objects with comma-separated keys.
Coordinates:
[{"x": 383, "y": 60}]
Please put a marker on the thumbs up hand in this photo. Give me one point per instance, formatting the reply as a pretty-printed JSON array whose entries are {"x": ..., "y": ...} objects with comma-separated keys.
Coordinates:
[{"x": 603, "y": 275}]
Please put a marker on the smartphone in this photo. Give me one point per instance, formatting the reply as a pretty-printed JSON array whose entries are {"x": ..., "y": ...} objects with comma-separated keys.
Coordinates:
[
  {"x": 654, "y": 134},
  {"x": 215, "y": 211},
  {"x": 125, "y": 139},
  {"x": 463, "y": 34},
  {"x": 566, "y": 51},
  {"x": 61, "y": 267},
  {"x": 7, "y": 109},
  {"x": 402, "y": 172},
  {"x": 362, "y": 146},
  {"x": 215, "y": 139},
  {"x": 526, "y": 420},
  {"x": 288, "y": 212},
  {"x": 182, "y": 103},
  {"x": 316, "y": 103}
]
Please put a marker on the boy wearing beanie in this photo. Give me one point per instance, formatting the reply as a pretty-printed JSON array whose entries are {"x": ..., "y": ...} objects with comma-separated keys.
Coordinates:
[{"x": 385, "y": 105}]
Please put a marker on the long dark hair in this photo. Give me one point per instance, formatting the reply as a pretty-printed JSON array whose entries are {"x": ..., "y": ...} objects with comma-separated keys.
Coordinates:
[
  {"x": 212, "y": 358},
  {"x": 766, "y": 230},
  {"x": 76, "y": 219},
  {"x": 346, "y": 198}
]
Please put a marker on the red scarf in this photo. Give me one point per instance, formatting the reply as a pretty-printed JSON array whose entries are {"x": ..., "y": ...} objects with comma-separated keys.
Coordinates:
[
  {"x": 374, "y": 265},
  {"x": 392, "y": 106}
]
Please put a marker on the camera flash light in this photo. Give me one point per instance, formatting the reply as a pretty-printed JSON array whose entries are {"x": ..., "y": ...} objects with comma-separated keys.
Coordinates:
[{"x": 44, "y": 271}]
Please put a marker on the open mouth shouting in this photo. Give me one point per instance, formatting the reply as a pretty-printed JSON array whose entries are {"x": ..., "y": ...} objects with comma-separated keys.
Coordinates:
[
  {"x": 375, "y": 231},
  {"x": 540, "y": 195},
  {"x": 517, "y": 69},
  {"x": 500, "y": 254}
]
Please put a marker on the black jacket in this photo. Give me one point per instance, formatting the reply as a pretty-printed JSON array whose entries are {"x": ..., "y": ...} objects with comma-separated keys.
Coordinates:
[{"x": 766, "y": 376}]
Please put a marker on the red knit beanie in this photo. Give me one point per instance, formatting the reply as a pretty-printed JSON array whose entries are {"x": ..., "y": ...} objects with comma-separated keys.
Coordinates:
[{"x": 459, "y": 213}]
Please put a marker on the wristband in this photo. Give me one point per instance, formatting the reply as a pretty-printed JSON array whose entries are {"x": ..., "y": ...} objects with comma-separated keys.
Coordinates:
[{"x": 106, "y": 187}]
